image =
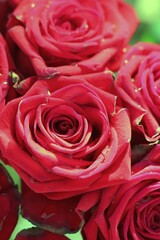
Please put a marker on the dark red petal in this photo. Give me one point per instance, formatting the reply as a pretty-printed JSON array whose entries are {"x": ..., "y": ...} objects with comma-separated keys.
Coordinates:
[
  {"x": 56, "y": 216},
  {"x": 39, "y": 234},
  {"x": 9, "y": 204}
]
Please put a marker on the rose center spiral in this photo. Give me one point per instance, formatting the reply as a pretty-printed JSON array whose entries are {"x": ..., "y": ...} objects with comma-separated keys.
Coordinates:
[
  {"x": 69, "y": 24},
  {"x": 63, "y": 127}
]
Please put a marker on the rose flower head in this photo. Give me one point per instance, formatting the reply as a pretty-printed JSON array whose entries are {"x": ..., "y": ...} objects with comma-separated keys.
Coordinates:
[
  {"x": 128, "y": 211},
  {"x": 138, "y": 85},
  {"x": 69, "y": 135},
  {"x": 69, "y": 37}
]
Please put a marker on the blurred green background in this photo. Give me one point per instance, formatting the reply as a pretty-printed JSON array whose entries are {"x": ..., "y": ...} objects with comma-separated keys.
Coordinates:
[
  {"x": 149, "y": 28},
  {"x": 148, "y": 31}
]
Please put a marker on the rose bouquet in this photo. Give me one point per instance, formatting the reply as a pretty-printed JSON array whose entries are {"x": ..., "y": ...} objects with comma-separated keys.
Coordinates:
[{"x": 79, "y": 122}]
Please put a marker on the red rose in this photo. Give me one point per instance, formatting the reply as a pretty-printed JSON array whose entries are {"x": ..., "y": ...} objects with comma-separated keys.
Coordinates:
[
  {"x": 130, "y": 211},
  {"x": 9, "y": 202},
  {"x": 70, "y": 37},
  {"x": 69, "y": 135},
  {"x": 138, "y": 85}
]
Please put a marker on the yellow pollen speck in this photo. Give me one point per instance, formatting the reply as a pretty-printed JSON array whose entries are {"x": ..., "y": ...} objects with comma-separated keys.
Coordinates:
[
  {"x": 103, "y": 40},
  {"x": 138, "y": 121},
  {"x": 33, "y": 5},
  {"x": 124, "y": 50},
  {"x": 132, "y": 80},
  {"x": 126, "y": 61},
  {"x": 107, "y": 71},
  {"x": 158, "y": 130},
  {"x": 19, "y": 17},
  {"x": 86, "y": 26}
]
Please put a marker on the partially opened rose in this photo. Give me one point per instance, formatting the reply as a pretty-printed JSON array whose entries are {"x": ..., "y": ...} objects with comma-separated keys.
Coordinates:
[
  {"x": 9, "y": 203},
  {"x": 69, "y": 37},
  {"x": 138, "y": 85},
  {"x": 131, "y": 211},
  {"x": 66, "y": 136}
]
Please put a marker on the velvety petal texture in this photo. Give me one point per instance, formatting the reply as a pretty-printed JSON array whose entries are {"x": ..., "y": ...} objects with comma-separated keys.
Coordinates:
[
  {"x": 70, "y": 37},
  {"x": 6, "y": 7},
  {"x": 9, "y": 204},
  {"x": 58, "y": 216},
  {"x": 4, "y": 72},
  {"x": 39, "y": 234},
  {"x": 70, "y": 136},
  {"x": 131, "y": 210},
  {"x": 138, "y": 85}
]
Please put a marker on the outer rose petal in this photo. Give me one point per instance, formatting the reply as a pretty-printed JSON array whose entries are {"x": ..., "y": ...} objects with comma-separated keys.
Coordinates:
[
  {"x": 130, "y": 210},
  {"x": 7, "y": 69},
  {"x": 138, "y": 87},
  {"x": 9, "y": 202},
  {"x": 87, "y": 148},
  {"x": 64, "y": 42},
  {"x": 39, "y": 234},
  {"x": 6, "y": 7},
  {"x": 4, "y": 71},
  {"x": 55, "y": 216}
]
